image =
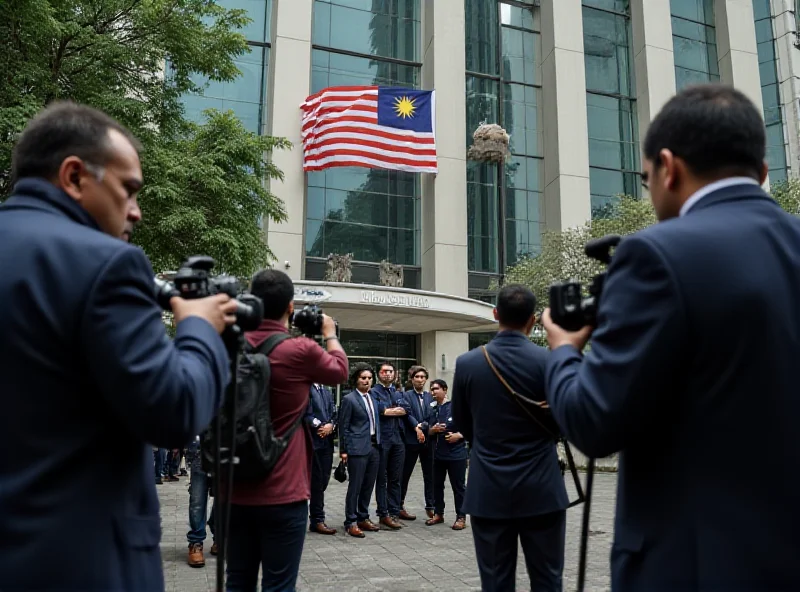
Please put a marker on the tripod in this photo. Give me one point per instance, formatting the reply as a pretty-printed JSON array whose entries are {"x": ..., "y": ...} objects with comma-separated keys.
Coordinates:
[{"x": 234, "y": 341}]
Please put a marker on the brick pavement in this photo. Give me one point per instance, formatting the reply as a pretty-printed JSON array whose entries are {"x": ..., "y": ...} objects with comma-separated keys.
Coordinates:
[{"x": 418, "y": 557}]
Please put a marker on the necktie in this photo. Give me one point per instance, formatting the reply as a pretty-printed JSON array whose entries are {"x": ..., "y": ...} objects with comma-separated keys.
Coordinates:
[{"x": 371, "y": 414}]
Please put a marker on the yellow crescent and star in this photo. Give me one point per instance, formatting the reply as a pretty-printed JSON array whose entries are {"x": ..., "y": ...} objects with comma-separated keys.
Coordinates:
[{"x": 405, "y": 107}]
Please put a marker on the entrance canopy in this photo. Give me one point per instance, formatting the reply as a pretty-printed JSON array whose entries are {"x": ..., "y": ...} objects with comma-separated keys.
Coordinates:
[{"x": 398, "y": 310}]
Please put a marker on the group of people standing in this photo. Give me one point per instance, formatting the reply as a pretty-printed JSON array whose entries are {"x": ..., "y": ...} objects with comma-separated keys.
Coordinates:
[{"x": 383, "y": 432}]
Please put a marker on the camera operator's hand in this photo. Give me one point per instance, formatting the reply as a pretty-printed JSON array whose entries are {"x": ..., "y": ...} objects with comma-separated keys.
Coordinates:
[
  {"x": 556, "y": 336},
  {"x": 328, "y": 327},
  {"x": 219, "y": 310}
]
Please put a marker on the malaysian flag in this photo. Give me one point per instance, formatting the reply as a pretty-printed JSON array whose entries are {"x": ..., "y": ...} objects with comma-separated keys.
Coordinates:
[{"x": 369, "y": 126}]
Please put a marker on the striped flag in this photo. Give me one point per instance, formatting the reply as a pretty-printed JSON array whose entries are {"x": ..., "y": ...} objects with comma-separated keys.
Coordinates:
[{"x": 370, "y": 126}]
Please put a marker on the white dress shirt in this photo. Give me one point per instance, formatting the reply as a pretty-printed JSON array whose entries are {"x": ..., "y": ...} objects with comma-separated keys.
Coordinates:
[
  {"x": 367, "y": 405},
  {"x": 708, "y": 189}
]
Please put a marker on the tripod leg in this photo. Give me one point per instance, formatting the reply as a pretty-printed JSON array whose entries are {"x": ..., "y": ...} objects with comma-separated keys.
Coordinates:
[{"x": 585, "y": 527}]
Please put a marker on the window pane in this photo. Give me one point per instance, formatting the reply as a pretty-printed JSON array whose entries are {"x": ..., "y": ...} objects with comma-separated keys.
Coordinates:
[
  {"x": 607, "y": 52},
  {"x": 768, "y": 71},
  {"x": 481, "y": 31},
  {"x": 259, "y": 11},
  {"x": 332, "y": 69},
  {"x": 694, "y": 42}
]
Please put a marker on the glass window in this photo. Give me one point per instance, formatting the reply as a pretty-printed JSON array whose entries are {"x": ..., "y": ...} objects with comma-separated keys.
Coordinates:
[
  {"x": 245, "y": 95},
  {"x": 372, "y": 213},
  {"x": 509, "y": 95},
  {"x": 694, "y": 42},
  {"x": 260, "y": 13},
  {"x": 610, "y": 104},
  {"x": 770, "y": 93}
]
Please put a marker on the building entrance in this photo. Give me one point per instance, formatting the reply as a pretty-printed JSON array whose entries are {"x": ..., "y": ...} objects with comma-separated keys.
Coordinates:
[{"x": 374, "y": 347}]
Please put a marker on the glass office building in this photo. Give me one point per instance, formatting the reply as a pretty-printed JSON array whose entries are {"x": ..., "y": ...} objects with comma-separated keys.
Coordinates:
[{"x": 574, "y": 82}]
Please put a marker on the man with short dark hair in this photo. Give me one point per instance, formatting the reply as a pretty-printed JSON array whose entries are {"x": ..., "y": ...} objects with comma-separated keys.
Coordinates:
[
  {"x": 515, "y": 490},
  {"x": 89, "y": 380},
  {"x": 417, "y": 403},
  {"x": 268, "y": 517},
  {"x": 692, "y": 373}
]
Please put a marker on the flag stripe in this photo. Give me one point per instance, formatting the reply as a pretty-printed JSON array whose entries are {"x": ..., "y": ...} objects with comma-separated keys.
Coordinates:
[{"x": 340, "y": 128}]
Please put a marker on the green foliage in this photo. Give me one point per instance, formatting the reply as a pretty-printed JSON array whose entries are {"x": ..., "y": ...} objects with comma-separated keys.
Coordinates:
[
  {"x": 203, "y": 184},
  {"x": 562, "y": 255},
  {"x": 787, "y": 194}
]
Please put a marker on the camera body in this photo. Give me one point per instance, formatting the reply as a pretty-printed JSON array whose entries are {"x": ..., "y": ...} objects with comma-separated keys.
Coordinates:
[
  {"x": 194, "y": 280},
  {"x": 569, "y": 309},
  {"x": 308, "y": 320}
]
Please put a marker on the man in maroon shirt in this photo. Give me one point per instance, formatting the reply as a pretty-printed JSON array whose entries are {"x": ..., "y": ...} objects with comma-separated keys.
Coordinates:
[{"x": 268, "y": 518}]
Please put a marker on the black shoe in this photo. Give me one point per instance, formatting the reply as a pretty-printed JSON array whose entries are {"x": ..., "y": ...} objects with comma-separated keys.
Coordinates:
[{"x": 159, "y": 481}]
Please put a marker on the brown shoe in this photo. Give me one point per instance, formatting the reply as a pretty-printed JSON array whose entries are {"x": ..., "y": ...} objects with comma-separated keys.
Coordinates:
[
  {"x": 368, "y": 525},
  {"x": 322, "y": 528},
  {"x": 196, "y": 558},
  {"x": 437, "y": 519},
  {"x": 354, "y": 531},
  {"x": 397, "y": 520},
  {"x": 403, "y": 515},
  {"x": 460, "y": 523},
  {"x": 390, "y": 523},
  {"x": 429, "y": 513},
  {"x": 214, "y": 549}
]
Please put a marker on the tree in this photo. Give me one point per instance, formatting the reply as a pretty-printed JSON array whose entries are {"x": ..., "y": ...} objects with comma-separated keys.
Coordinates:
[{"x": 203, "y": 183}]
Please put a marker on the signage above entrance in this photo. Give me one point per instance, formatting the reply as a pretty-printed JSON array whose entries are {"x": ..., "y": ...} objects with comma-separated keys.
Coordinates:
[
  {"x": 392, "y": 299},
  {"x": 310, "y": 295}
]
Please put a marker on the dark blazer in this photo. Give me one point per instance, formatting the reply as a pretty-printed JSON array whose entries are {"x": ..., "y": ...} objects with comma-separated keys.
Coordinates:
[
  {"x": 444, "y": 450},
  {"x": 354, "y": 436},
  {"x": 322, "y": 409},
  {"x": 416, "y": 414},
  {"x": 391, "y": 426},
  {"x": 89, "y": 383},
  {"x": 514, "y": 471},
  {"x": 692, "y": 375}
]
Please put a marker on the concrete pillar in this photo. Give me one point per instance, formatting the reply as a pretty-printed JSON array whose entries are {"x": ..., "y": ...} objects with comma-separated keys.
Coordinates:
[
  {"x": 567, "y": 201},
  {"x": 785, "y": 31},
  {"x": 654, "y": 60},
  {"x": 439, "y": 352},
  {"x": 289, "y": 85},
  {"x": 444, "y": 196},
  {"x": 736, "y": 47}
]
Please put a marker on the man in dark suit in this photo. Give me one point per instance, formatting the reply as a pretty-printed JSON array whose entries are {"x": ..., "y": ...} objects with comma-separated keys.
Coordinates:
[
  {"x": 89, "y": 380},
  {"x": 321, "y": 420},
  {"x": 515, "y": 489},
  {"x": 359, "y": 447},
  {"x": 692, "y": 372},
  {"x": 417, "y": 403}
]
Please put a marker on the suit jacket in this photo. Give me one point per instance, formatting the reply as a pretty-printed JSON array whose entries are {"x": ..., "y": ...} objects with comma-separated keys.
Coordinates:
[
  {"x": 322, "y": 409},
  {"x": 416, "y": 414},
  {"x": 442, "y": 449},
  {"x": 89, "y": 383},
  {"x": 391, "y": 426},
  {"x": 692, "y": 375},
  {"x": 514, "y": 471},
  {"x": 354, "y": 432}
]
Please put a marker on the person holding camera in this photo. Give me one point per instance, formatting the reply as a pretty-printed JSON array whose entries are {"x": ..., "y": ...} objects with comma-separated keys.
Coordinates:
[
  {"x": 515, "y": 490},
  {"x": 268, "y": 517},
  {"x": 89, "y": 379},
  {"x": 692, "y": 372}
]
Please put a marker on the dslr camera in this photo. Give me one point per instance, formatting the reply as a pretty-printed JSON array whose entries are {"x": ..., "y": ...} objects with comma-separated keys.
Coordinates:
[
  {"x": 569, "y": 309},
  {"x": 194, "y": 280},
  {"x": 308, "y": 320}
]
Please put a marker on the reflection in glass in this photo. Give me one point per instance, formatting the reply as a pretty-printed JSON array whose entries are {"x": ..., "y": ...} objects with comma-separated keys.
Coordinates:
[{"x": 694, "y": 42}]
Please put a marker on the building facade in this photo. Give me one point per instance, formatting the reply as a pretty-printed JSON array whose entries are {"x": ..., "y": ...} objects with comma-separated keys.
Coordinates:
[{"x": 575, "y": 83}]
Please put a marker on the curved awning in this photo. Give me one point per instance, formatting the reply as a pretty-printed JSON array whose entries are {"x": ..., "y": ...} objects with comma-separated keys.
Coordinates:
[{"x": 399, "y": 310}]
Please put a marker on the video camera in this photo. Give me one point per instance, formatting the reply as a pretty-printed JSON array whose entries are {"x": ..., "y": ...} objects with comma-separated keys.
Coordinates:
[
  {"x": 308, "y": 320},
  {"x": 569, "y": 309},
  {"x": 193, "y": 280}
]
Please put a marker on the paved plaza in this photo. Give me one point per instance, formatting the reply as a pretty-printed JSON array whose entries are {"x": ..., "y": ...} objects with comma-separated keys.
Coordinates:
[{"x": 417, "y": 557}]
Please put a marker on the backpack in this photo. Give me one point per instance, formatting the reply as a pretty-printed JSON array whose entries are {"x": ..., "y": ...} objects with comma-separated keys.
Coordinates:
[{"x": 258, "y": 448}]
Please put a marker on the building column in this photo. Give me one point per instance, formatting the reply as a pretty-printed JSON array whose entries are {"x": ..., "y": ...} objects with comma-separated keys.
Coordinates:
[
  {"x": 654, "y": 60},
  {"x": 439, "y": 352},
  {"x": 444, "y": 196},
  {"x": 737, "y": 49},
  {"x": 785, "y": 30},
  {"x": 567, "y": 203},
  {"x": 289, "y": 85}
]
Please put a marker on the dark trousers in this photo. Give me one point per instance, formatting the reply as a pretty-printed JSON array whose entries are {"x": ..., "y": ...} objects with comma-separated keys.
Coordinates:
[
  {"x": 362, "y": 471},
  {"x": 159, "y": 459},
  {"x": 321, "y": 466},
  {"x": 390, "y": 476},
  {"x": 423, "y": 453},
  {"x": 457, "y": 471},
  {"x": 542, "y": 539},
  {"x": 270, "y": 537}
]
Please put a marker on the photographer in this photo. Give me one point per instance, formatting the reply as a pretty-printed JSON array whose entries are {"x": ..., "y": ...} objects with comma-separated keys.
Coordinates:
[
  {"x": 89, "y": 380},
  {"x": 692, "y": 368},
  {"x": 268, "y": 517}
]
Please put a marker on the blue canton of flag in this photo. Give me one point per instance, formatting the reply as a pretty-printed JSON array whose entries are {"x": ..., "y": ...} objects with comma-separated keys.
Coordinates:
[{"x": 406, "y": 109}]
